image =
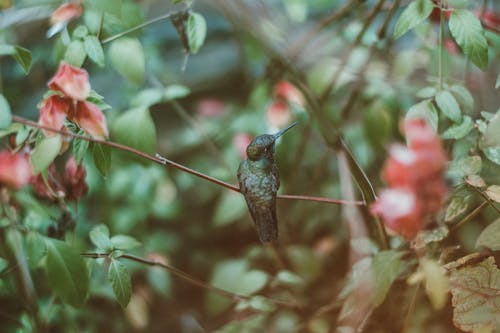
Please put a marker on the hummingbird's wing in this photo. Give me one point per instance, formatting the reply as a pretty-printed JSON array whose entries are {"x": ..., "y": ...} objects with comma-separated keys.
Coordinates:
[{"x": 260, "y": 194}]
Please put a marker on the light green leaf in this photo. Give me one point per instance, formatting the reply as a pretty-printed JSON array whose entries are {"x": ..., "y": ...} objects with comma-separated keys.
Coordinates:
[
  {"x": 80, "y": 32},
  {"x": 230, "y": 207},
  {"x": 124, "y": 242},
  {"x": 251, "y": 282},
  {"x": 113, "y": 7},
  {"x": 196, "y": 32},
  {"x": 101, "y": 155},
  {"x": 127, "y": 57},
  {"x": 436, "y": 282},
  {"x": 289, "y": 279},
  {"x": 469, "y": 165},
  {"x": 45, "y": 152},
  {"x": 426, "y": 110},
  {"x": 493, "y": 154},
  {"x": 79, "y": 149},
  {"x": 175, "y": 91},
  {"x": 457, "y": 206},
  {"x": 386, "y": 266},
  {"x": 147, "y": 97},
  {"x": 493, "y": 192},
  {"x": 226, "y": 275},
  {"x": 475, "y": 297},
  {"x": 463, "y": 97},
  {"x": 20, "y": 54},
  {"x": 101, "y": 240},
  {"x": 67, "y": 273},
  {"x": 119, "y": 277},
  {"x": 491, "y": 137},
  {"x": 5, "y": 113},
  {"x": 94, "y": 50},
  {"x": 413, "y": 15},
  {"x": 497, "y": 84},
  {"x": 449, "y": 106},
  {"x": 459, "y": 131},
  {"x": 490, "y": 236},
  {"x": 467, "y": 31},
  {"x": 75, "y": 53},
  {"x": 135, "y": 128},
  {"x": 427, "y": 92}
]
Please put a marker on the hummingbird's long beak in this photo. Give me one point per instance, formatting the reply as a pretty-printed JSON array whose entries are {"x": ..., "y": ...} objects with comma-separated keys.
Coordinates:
[{"x": 281, "y": 132}]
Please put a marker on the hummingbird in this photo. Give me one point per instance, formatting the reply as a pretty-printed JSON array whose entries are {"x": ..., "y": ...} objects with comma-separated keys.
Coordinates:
[{"x": 259, "y": 182}]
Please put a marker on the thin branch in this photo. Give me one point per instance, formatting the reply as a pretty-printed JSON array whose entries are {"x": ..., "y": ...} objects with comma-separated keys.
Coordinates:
[
  {"x": 180, "y": 274},
  {"x": 137, "y": 27},
  {"x": 469, "y": 216},
  {"x": 164, "y": 161},
  {"x": 411, "y": 309},
  {"x": 485, "y": 197}
]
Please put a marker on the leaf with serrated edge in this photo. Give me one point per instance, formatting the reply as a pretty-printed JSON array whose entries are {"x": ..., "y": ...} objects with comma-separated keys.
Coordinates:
[
  {"x": 467, "y": 31},
  {"x": 414, "y": 14},
  {"x": 475, "y": 296},
  {"x": 490, "y": 236},
  {"x": 119, "y": 277}
]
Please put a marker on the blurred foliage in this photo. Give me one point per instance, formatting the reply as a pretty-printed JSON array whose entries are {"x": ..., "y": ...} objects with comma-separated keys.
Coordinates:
[{"x": 193, "y": 104}]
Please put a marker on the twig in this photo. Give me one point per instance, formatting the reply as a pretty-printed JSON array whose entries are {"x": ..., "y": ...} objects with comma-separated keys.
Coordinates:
[
  {"x": 411, "y": 309},
  {"x": 164, "y": 161},
  {"x": 469, "y": 216},
  {"x": 485, "y": 197},
  {"x": 441, "y": 45},
  {"x": 177, "y": 272}
]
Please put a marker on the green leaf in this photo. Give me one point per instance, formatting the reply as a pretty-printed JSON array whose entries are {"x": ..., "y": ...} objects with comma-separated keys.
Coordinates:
[
  {"x": 427, "y": 92},
  {"x": 463, "y": 97},
  {"x": 497, "y": 84},
  {"x": 94, "y": 50},
  {"x": 196, "y": 32},
  {"x": 413, "y": 15},
  {"x": 5, "y": 113},
  {"x": 147, "y": 97},
  {"x": 386, "y": 266},
  {"x": 465, "y": 166},
  {"x": 67, "y": 273},
  {"x": 436, "y": 282},
  {"x": 80, "y": 32},
  {"x": 426, "y": 110},
  {"x": 75, "y": 53},
  {"x": 449, "y": 106},
  {"x": 119, "y": 277},
  {"x": 467, "y": 31},
  {"x": 101, "y": 240},
  {"x": 102, "y": 158},
  {"x": 475, "y": 297},
  {"x": 127, "y": 58},
  {"x": 490, "y": 236},
  {"x": 113, "y": 7},
  {"x": 175, "y": 91},
  {"x": 459, "y": 131},
  {"x": 45, "y": 152},
  {"x": 3, "y": 264},
  {"x": 79, "y": 149},
  {"x": 20, "y": 54},
  {"x": 135, "y": 128},
  {"x": 288, "y": 278},
  {"x": 457, "y": 206},
  {"x": 493, "y": 154},
  {"x": 230, "y": 207},
  {"x": 491, "y": 137},
  {"x": 124, "y": 242},
  {"x": 226, "y": 275},
  {"x": 251, "y": 282},
  {"x": 493, "y": 192}
]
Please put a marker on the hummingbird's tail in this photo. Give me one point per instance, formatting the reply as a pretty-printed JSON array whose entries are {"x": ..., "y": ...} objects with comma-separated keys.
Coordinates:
[{"x": 267, "y": 225}]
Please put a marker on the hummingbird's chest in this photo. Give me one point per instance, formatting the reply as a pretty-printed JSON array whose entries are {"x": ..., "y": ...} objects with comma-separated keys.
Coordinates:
[{"x": 258, "y": 180}]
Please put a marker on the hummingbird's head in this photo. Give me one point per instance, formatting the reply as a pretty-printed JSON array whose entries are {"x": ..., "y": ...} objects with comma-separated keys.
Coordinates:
[{"x": 263, "y": 145}]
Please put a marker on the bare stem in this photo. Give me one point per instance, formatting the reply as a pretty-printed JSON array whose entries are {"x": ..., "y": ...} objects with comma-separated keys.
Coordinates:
[
  {"x": 469, "y": 216},
  {"x": 164, "y": 161},
  {"x": 177, "y": 272},
  {"x": 441, "y": 46}
]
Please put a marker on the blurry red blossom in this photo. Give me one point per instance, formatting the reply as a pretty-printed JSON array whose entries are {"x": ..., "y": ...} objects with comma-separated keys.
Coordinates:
[
  {"x": 240, "y": 142},
  {"x": 71, "y": 185},
  {"x": 279, "y": 115},
  {"x": 489, "y": 19},
  {"x": 210, "y": 107},
  {"x": 15, "y": 169},
  {"x": 415, "y": 172},
  {"x": 66, "y": 12},
  {"x": 72, "y": 81},
  {"x": 73, "y": 84},
  {"x": 287, "y": 92}
]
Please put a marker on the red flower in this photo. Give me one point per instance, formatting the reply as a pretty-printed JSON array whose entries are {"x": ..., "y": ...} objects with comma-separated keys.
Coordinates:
[
  {"x": 54, "y": 189},
  {"x": 74, "y": 180},
  {"x": 241, "y": 141},
  {"x": 66, "y": 12},
  {"x": 278, "y": 114},
  {"x": 401, "y": 211},
  {"x": 89, "y": 117},
  {"x": 53, "y": 112},
  {"x": 284, "y": 90},
  {"x": 210, "y": 107},
  {"x": 72, "y": 81},
  {"x": 15, "y": 169}
]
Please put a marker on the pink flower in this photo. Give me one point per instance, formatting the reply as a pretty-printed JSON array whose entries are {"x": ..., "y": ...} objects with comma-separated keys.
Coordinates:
[
  {"x": 278, "y": 114},
  {"x": 284, "y": 90},
  {"x": 72, "y": 81},
  {"x": 53, "y": 112},
  {"x": 211, "y": 107},
  {"x": 66, "y": 12},
  {"x": 400, "y": 210},
  {"x": 74, "y": 180},
  {"x": 240, "y": 142},
  {"x": 15, "y": 169},
  {"x": 91, "y": 119},
  {"x": 54, "y": 189}
]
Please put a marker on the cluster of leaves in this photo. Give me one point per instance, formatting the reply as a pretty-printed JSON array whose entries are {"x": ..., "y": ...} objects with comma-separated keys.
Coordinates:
[{"x": 74, "y": 279}]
